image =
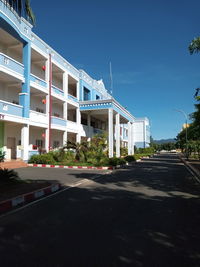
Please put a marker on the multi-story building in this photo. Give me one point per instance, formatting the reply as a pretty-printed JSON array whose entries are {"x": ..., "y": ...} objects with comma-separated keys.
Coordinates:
[
  {"x": 45, "y": 101},
  {"x": 141, "y": 132}
]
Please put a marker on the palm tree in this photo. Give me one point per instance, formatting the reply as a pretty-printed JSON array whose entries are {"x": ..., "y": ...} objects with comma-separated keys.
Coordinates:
[
  {"x": 29, "y": 11},
  {"x": 79, "y": 148},
  {"x": 194, "y": 47}
]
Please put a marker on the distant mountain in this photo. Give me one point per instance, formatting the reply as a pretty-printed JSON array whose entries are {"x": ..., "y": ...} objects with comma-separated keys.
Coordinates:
[{"x": 163, "y": 141}]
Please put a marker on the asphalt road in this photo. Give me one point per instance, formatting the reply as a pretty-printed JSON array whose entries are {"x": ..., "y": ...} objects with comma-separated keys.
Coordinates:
[
  {"x": 66, "y": 177},
  {"x": 145, "y": 215}
]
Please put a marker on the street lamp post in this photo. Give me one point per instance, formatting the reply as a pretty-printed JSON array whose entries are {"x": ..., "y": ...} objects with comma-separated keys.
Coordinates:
[{"x": 186, "y": 134}]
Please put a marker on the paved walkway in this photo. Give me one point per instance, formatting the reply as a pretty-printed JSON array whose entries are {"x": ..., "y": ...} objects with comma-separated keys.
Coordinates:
[{"x": 145, "y": 215}]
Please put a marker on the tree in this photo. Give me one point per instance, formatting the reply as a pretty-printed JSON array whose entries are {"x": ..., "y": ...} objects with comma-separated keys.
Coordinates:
[
  {"x": 80, "y": 148},
  {"x": 29, "y": 11},
  {"x": 194, "y": 47}
]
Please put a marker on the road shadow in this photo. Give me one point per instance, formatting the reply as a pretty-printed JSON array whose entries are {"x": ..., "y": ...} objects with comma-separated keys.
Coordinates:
[{"x": 112, "y": 221}]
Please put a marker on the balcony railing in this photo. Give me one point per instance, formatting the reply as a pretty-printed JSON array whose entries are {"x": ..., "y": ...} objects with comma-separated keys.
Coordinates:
[
  {"x": 58, "y": 121},
  {"x": 10, "y": 108},
  {"x": 73, "y": 98},
  {"x": 39, "y": 81},
  {"x": 11, "y": 64},
  {"x": 38, "y": 117},
  {"x": 57, "y": 90}
]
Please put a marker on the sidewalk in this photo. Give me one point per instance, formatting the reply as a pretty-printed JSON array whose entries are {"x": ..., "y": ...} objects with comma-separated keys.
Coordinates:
[{"x": 193, "y": 165}]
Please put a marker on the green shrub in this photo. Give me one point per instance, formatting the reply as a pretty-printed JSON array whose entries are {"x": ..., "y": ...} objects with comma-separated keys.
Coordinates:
[
  {"x": 116, "y": 161},
  {"x": 2, "y": 156},
  {"x": 8, "y": 176},
  {"x": 43, "y": 159},
  {"x": 129, "y": 158}
]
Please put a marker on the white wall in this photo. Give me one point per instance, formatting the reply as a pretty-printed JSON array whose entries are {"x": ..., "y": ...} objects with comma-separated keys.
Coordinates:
[
  {"x": 36, "y": 133},
  {"x": 9, "y": 94},
  {"x": 36, "y": 102},
  {"x": 57, "y": 108}
]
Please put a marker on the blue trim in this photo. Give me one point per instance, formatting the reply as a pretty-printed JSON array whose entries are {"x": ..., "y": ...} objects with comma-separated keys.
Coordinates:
[
  {"x": 11, "y": 109},
  {"x": 11, "y": 28},
  {"x": 38, "y": 81},
  {"x": 11, "y": 64},
  {"x": 95, "y": 107},
  {"x": 24, "y": 98},
  {"x": 73, "y": 98},
  {"x": 58, "y": 121},
  {"x": 57, "y": 90}
]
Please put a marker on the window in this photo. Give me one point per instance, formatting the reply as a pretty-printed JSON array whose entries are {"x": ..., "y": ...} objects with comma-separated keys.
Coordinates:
[
  {"x": 56, "y": 144},
  {"x": 97, "y": 97},
  {"x": 39, "y": 143},
  {"x": 86, "y": 94}
]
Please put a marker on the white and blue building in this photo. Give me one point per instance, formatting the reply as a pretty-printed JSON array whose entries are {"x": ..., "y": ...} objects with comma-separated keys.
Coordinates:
[{"x": 45, "y": 101}]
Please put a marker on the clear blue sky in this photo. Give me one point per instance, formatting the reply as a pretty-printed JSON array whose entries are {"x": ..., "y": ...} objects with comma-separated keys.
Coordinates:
[{"x": 146, "y": 41}]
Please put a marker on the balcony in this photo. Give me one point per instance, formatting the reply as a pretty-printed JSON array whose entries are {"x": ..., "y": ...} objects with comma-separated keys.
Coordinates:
[
  {"x": 57, "y": 91},
  {"x": 58, "y": 121},
  {"x": 38, "y": 81},
  {"x": 10, "y": 109},
  {"x": 38, "y": 117},
  {"x": 12, "y": 65},
  {"x": 72, "y": 98}
]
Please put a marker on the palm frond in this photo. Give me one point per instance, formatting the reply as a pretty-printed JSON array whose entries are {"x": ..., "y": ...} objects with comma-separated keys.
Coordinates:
[{"x": 194, "y": 47}]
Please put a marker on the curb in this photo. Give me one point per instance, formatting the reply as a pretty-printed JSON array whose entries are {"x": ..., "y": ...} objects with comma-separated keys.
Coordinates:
[
  {"x": 193, "y": 169},
  {"x": 70, "y": 167},
  {"x": 23, "y": 199}
]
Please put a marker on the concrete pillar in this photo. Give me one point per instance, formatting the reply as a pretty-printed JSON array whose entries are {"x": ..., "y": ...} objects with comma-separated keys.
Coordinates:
[
  {"x": 78, "y": 138},
  {"x": 24, "y": 96},
  {"x": 64, "y": 138},
  {"x": 65, "y": 84},
  {"x": 117, "y": 135},
  {"x": 132, "y": 139},
  {"x": 89, "y": 125},
  {"x": 78, "y": 116},
  {"x": 110, "y": 132},
  {"x": 129, "y": 138},
  {"x": 78, "y": 90},
  {"x": 25, "y": 141},
  {"x": 47, "y": 140},
  {"x": 65, "y": 110},
  {"x": 65, "y": 89},
  {"x": 47, "y": 71}
]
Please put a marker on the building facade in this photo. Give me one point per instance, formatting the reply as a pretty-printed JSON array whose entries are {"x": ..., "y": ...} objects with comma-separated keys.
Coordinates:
[{"x": 45, "y": 101}]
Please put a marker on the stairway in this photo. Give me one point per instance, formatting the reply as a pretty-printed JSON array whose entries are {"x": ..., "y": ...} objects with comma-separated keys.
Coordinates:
[{"x": 13, "y": 164}]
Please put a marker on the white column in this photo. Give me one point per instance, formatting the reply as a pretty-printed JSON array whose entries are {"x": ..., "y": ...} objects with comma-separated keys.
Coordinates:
[
  {"x": 110, "y": 132},
  {"x": 78, "y": 90},
  {"x": 89, "y": 125},
  {"x": 132, "y": 139},
  {"x": 65, "y": 84},
  {"x": 78, "y": 121},
  {"x": 117, "y": 135},
  {"x": 25, "y": 141},
  {"x": 78, "y": 138},
  {"x": 64, "y": 138},
  {"x": 65, "y": 89},
  {"x": 47, "y": 140},
  {"x": 144, "y": 130},
  {"x": 129, "y": 138},
  {"x": 47, "y": 71},
  {"x": 65, "y": 110}
]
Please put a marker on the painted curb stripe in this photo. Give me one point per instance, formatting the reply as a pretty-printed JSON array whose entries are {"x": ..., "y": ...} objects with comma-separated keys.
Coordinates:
[
  {"x": 17, "y": 201},
  {"x": 27, "y": 198},
  {"x": 73, "y": 167},
  {"x": 6, "y": 205}
]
